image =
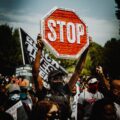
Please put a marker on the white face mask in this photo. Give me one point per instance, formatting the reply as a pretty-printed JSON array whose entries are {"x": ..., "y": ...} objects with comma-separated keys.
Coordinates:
[{"x": 14, "y": 97}]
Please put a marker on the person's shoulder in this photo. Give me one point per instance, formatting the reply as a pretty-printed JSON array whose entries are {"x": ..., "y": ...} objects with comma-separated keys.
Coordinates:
[
  {"x": 66, "y": 89},
  {"x": 99, "y": 93},
  {"x": 85, "y": 91},
  {"x": 83, "y": 94}
]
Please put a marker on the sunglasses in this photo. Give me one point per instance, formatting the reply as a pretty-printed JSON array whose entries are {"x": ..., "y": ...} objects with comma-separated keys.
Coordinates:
[{"x": 55, "y": 115}]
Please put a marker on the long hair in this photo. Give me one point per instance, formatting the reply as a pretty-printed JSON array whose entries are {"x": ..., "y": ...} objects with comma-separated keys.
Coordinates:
[{"x": 41, "y": 109}]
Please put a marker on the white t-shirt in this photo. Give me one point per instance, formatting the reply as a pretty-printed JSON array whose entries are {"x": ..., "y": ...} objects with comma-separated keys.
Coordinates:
[
  {"x": 87, "y": 100},
  {"x": 74, "y": 102}
]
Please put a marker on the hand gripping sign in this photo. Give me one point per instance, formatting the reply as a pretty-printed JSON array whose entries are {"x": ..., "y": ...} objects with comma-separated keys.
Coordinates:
[{"x": 64, "y": 33}]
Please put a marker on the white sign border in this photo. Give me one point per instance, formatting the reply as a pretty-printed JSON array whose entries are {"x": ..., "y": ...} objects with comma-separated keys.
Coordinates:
[{"x": 62, "y": 56}]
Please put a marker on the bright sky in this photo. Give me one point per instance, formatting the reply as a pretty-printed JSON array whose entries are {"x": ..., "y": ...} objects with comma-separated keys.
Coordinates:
[{"x": 99, "y": 15}]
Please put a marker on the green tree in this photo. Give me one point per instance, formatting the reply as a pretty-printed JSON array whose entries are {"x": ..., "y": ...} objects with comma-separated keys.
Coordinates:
[
  {"x": 10, "y": 53},
  {"x": 118, "y": 11},
  {"x": 96, "y": 56},
  {"x": 65, "y": 63},
  {"x": 87, "y": 67},
  {"x": 112, "y": 57}
]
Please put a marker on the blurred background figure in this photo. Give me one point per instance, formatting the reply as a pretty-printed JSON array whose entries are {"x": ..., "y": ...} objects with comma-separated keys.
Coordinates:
[
  {"x": 45, "y": 110},
  {"x": 87, "y": 98},
  {"x": 103, "y": 109}
]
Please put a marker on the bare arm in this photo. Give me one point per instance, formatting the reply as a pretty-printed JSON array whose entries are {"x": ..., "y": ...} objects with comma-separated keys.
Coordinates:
[
  {"x": 37, "y": 78},
  {"x": 78, "y": 70},
  {"x": 104, "y": 81}
]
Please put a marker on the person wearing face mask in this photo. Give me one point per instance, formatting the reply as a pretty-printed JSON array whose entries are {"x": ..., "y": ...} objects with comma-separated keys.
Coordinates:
[
  {"x": 14, "y": 102},
  {"x": 59, "y": 91},
  {"x": 14, "y": 93},
  {"x": 87, "y": 98},
  {"x": 112, "y": 88}
]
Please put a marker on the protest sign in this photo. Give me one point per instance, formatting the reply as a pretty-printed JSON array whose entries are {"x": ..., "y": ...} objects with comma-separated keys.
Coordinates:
[{"x": 64, "y": 33}]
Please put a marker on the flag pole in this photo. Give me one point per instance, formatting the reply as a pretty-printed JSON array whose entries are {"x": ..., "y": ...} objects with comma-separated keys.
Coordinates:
[{"x": 21, "y": 44}]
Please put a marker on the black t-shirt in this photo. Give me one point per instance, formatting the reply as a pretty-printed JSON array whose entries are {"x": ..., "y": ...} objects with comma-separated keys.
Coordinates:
[{"x": 61, "y": 97}]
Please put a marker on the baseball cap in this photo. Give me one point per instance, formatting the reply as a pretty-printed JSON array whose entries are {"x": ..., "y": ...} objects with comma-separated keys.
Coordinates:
[{"x": 92, "y": 80}]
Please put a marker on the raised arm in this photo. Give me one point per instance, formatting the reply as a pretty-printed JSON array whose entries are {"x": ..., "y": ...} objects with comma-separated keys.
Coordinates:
[
  {"x": 37, "y": 78},
  {"x": 78, "y": 70},
  {"x": 104, "y": 81}
]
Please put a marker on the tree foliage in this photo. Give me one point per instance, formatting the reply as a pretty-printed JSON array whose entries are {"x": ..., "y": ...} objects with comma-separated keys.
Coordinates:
[
  {"x": 118, "y": 9},
  {"x": 87, "y": 67},
  {"x": 94, "y": 58},
  {"x": 112, "y": 57},
  {"x": 65, "y": 63},
  {"x": 117, "y": 12},
  {"x": 107, "y": 56},
  {"x": 10, "y": 53}
]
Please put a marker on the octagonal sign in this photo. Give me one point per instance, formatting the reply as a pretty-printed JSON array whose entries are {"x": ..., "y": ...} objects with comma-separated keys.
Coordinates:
[{"x": 64, "y": 33}]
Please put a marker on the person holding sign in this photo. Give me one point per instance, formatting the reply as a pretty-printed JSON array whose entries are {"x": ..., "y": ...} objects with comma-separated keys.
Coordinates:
[{"x": 59, "y": 91}]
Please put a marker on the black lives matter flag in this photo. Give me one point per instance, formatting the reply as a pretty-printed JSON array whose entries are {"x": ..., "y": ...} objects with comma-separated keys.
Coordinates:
[
  {"x": 29, "y": 50},
  {"x": 28, "y": 47}
]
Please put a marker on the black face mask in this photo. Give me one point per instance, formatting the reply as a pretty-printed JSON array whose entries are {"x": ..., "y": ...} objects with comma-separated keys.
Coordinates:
[
  {"x": 93, "y": 88},
  {"x": 56, "y": 86}
]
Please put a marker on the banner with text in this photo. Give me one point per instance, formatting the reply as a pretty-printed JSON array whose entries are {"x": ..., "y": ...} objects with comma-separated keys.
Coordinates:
[{"x": 46, "y": 63}]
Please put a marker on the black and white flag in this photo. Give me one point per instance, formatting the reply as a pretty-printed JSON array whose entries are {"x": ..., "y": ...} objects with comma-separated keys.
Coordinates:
[{"x": 29, "y": 49}]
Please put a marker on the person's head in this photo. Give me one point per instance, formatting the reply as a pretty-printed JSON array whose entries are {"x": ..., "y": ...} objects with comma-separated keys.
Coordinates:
[
  {"x": 55, "y": 79},
  {"x": 14, "y": 92},
  {"x": 46, "y": 110},
  {"x": 74, "y": 90},
  {"x": 104, "y": 109},
  {"x": 115, "y": 89},
  {"x": 20, "y": 78},
  {"x": 92, "y": 84}
]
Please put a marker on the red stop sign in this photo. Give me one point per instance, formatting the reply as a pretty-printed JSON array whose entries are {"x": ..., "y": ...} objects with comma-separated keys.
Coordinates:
[{"x": 64, "y": 33}]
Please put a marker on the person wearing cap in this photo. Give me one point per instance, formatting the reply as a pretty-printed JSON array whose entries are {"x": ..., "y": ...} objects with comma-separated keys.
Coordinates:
[
  {"x": 112, "y": 87},
  {"x": 13, "y": 93},
  {"x": 56, "y": 76},
  {"x": 14, "y": 97},
  {"x": 59, "y": 91},
  {"x": 87, "y": 98}
]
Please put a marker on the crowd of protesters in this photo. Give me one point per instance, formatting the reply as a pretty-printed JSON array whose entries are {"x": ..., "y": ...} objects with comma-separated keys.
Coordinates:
[{"x": 80, "y": 98}]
